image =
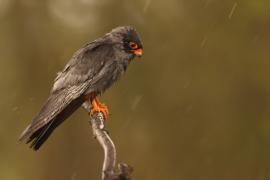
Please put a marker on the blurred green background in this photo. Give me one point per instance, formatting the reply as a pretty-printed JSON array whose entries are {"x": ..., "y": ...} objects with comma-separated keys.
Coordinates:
[{"x": 195, "y": 107}]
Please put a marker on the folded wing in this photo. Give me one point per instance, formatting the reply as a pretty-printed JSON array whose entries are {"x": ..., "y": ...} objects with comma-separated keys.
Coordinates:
[{"x": 58, "y": 107}]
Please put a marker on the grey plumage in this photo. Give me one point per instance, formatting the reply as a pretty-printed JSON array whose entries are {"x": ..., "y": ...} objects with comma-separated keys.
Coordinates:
[{"x": 92, "y": 69}]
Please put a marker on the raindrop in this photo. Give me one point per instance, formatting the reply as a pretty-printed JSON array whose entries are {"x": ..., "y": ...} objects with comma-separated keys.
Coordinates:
[
  {"x": 73, "y": 176},
  {"x": 203, "y": 42},
  {"x": 146, "y": 6},
  {"x": 189, "y": 108},
  {"x": 14, "y": 109},
  {"x": 187, "y": 84},
  {"x": 232, "y": 10},
  {"x": 135, "y": 102}
]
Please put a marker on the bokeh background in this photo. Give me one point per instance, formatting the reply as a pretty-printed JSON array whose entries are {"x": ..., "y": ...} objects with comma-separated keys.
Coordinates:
[{"x": 195, "y": 107}]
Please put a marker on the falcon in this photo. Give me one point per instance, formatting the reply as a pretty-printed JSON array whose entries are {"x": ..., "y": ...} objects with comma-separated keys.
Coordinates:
[{"x": 91, "y": 70}]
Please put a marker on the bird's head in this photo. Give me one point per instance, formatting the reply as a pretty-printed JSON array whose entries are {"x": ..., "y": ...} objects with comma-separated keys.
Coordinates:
[{"x": 129, "y": 39}]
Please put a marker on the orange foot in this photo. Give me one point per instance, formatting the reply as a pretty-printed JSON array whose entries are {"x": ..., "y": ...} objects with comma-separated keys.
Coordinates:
[{"x": 99, "y": 107}]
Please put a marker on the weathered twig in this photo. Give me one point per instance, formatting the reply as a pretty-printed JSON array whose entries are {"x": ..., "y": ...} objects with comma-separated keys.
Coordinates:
[
  {"x": 103, "y": 138},
  {"x": 108, "y": 173}
]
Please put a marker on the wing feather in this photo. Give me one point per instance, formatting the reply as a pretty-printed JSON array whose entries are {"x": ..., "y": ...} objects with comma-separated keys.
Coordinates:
[{"x": 55, "y": 104}]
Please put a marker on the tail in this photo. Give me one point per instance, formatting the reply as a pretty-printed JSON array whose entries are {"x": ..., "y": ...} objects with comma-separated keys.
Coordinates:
[
  {"x": 41, "y": 135},
  {"x": 58, "y": 108}
]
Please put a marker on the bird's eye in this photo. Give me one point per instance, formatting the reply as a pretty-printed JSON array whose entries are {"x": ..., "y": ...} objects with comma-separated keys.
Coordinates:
[{"x": 133, "y": 45}]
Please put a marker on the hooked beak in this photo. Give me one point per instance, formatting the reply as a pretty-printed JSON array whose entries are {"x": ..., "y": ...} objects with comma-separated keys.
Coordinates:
[{"x": 138, "y": 52}]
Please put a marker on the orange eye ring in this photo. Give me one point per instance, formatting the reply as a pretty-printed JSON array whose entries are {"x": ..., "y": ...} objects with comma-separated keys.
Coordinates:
[{"x": 133, "y": 45}]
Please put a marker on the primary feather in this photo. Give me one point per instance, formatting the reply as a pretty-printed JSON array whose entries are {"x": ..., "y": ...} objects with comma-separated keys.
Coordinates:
[{"x": 59, "y": 106}]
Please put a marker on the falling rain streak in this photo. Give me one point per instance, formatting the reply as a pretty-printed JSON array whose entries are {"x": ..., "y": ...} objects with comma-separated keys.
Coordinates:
[{"x": 232, "y": 10}]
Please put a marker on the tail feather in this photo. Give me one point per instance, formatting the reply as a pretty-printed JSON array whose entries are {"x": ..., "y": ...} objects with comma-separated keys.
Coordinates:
[
  {"x": 58, "y": 107},
  {"x": 39, "y": 136}
]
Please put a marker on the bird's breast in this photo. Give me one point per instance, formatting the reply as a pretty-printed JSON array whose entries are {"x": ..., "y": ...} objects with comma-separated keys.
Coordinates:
[{"x": 107, "y": 76}]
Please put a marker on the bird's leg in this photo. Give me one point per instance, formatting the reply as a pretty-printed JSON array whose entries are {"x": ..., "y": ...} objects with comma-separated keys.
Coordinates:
[{"x": 98, "y": 107}]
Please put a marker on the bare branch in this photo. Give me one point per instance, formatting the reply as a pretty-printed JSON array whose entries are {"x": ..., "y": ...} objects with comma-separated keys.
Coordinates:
[
  {"x": 108, "y": 173},
  {"x": 104, "y": 140}
]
